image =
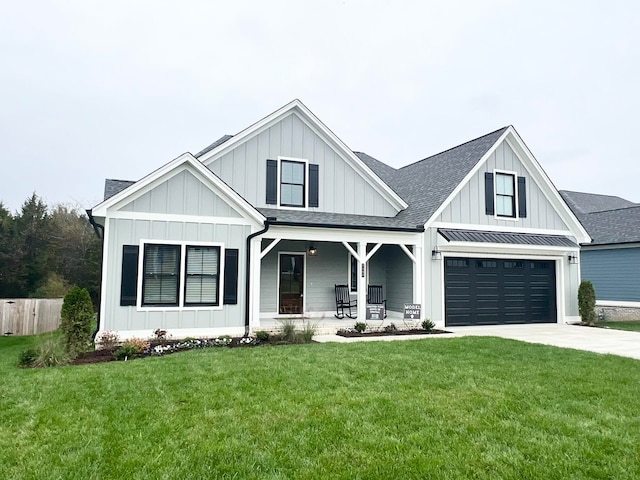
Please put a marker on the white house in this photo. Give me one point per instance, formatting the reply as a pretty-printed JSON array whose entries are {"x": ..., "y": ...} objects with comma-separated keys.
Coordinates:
[{"x": 263, "y": 224}]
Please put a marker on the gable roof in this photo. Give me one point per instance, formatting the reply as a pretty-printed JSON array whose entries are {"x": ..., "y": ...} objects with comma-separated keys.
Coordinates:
[
  {"x": 112, "y": 187},
  {"x": 426, "y": 184},
  {"x": 215, "y": 144},
  {"x": 607, "y": 218},
  {"x": 186, "y": 160}
]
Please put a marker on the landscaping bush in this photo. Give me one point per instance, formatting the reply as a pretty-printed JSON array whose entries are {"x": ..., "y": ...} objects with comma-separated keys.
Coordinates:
[
  {"x": 27, "y": 358},
  {"x": 307, "y": 333},
  {"x": 262, "y": 336},
  {"x": 360, "y": 327},
  {"x": 587, "y": 302},
  {"x": 108, "y": 339},
  {"x": 76, "y": 319},
  {"x": 288, "y": 330},
  {"x": 428, "y": 325},
  {"x": 51, "y": 352},
  {"x": 391, "y": 328},
  {"x": 131, "y": 348}
]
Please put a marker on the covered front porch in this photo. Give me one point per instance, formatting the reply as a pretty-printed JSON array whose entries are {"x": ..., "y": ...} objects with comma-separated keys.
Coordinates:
[{"x": 299, "y": 268}]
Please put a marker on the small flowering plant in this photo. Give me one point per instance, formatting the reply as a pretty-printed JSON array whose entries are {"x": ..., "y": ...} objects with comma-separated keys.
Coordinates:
[{"x": 108, "y": 339}]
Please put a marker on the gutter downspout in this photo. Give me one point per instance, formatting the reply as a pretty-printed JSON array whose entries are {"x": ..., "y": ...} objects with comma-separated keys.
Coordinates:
[
  {"x": 247, "y": 286},
  {"x": 96, "y": 227}
]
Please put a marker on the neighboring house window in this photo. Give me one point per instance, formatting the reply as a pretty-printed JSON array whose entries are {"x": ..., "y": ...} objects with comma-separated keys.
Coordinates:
[
  {"x": 201, "y": 276},
  {"x": 505, "y": 195},
  {"x": 161, "y": 279},
  {"x": 292, "y": 184}
]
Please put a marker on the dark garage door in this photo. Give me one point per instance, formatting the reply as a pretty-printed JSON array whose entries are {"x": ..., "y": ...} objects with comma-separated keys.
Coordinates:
[{"x": 492, "y": 291}]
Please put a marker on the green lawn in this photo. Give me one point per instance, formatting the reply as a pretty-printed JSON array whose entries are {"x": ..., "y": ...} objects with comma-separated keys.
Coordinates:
[
  {"x": 434, "y": 408},
  {"x": 631, "y": 326}
]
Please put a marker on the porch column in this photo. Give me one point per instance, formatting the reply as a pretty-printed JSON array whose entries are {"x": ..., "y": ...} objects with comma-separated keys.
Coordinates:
[
  {"x": 362, "y": 287},
  {"x": 418, "y": 268}
]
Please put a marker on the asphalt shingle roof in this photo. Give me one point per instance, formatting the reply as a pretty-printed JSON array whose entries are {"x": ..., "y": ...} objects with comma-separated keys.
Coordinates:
[
  {"x": 215, "y": 144},
  {"x": 608, "y": 219},
  {"x": 111, "y": 186}
]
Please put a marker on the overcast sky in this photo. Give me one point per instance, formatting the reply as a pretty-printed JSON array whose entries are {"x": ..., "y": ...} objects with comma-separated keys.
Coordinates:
[{"x": 94, "y": 90}]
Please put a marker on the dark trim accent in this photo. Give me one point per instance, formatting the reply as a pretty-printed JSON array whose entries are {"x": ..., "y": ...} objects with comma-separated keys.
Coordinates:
[
  {"x": 178, "y": 270},
  {"x": 272, "y": 182},
  {"x": 314, "y": 185},
  {"x": 230, "y": 295},
  {"x": 522, "y": 197},
  {"x": 96, "y": 226},
  {"x": 418, "y": 228},
  {"x": 488, "y": 193},
  {"x": 217, "y": 276},
  {"x": 247, "y": 280},
  {"x": 129, "y": 276}
]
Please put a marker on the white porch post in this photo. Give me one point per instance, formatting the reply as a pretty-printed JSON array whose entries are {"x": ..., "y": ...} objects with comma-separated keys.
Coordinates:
[
  {"x": 418, "y": 269},
  {"x": 254, "y": 284},
  {"x": 362, "y": 294}
]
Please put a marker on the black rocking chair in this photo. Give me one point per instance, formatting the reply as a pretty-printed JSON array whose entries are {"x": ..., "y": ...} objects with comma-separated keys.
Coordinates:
[
  {"x": 344, "y": 304},
  {"x": 376, "y": 297}
]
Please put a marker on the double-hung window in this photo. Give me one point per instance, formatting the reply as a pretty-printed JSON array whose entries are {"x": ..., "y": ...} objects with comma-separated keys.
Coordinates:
[
  {"x": 169, "y": 268},
  {"x": 292, "y": 183},
  {"x": 505, "y": 195}
]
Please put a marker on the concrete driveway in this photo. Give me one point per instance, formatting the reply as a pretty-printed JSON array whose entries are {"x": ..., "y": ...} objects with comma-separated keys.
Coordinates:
[{"x": 599, "y": 340}]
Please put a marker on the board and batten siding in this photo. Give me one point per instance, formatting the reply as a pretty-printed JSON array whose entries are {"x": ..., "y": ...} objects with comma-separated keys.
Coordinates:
[
  {"x": 182, "y": 194},
  {"x": 468, "y": 207},
  {"x": 130, "y": 232},
  {"x": 341, "y": 188},
  {"x": 399, "y": 281},
  {"x": 615, "y": 273}
]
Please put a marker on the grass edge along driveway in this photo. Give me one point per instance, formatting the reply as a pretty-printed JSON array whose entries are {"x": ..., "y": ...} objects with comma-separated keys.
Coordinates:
[{"x": 454, "y": 408}]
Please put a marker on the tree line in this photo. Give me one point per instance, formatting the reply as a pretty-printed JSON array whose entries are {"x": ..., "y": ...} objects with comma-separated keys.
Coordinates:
[{"x": 44, "y": 251}]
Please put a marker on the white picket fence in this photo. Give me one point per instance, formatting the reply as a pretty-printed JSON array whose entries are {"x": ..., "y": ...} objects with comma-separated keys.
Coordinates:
[{"x": 29, "y": 316}]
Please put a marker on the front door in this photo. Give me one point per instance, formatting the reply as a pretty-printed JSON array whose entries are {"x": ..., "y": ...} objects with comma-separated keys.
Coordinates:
[{"x": 291, "y": 282}]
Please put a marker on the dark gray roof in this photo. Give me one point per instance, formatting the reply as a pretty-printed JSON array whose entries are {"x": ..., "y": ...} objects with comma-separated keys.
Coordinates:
[
  {"x": 607, "y": 219},
  {"x": 215, "y": 144},
  {"x": 111, "y": 187},
  {"x": 319, "y": 219},
  {"x": 426, "y": 184},
  {"x": 581, "y": 202},
  {"x": 452, "y": 235}
]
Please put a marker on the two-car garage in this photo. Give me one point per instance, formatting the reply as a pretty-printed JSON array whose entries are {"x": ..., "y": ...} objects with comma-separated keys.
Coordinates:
[{"x": 494, "y": 291}]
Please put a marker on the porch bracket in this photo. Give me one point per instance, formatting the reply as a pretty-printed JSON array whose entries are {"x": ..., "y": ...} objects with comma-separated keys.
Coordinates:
[
  {"x": 408, "y": 252},
  {"x": 269, "y": 247},
  {"x": 351, "y": 251},
  {"x": 373, "y": 250}
]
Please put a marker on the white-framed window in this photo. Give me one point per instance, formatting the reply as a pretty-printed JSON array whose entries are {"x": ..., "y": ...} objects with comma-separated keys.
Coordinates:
[
  {"x": 505, "y": 188},
  {"x": 180, "y": 274},
  {"x": 293, "y": 184}
]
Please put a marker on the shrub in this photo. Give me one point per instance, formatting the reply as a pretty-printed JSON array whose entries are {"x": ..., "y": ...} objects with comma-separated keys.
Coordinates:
[
  {"x": 51, "y": 352},
  {"x": 27, "y": 358},
  {"x": 587, "y": 302},
  {"x": 262, "y": 336},
  {"x": 360, "y": 327},
  {"x": 307, "y": 333},
  {"x": 160, "y": 334},
  {"x": 428, "y": 325},
  {"x": 391, "y": 328},
  {"x": 288, "y": 330},
  {"x": 131, "y": 348},
  {"x": 109, "y": 339},
  {"x": 76, "y": 319}
]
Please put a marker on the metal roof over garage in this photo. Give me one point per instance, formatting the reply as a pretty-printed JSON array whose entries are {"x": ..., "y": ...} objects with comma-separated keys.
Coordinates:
[{"x": 454, "y": 235}]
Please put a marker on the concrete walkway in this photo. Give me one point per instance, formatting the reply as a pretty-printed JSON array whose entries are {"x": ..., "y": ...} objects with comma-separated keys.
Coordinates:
[{"x": 598, "y": 340}]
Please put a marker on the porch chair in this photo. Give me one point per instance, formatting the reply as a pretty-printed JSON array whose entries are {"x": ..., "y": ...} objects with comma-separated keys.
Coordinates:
[
  {"x": 376, "y": 297},
  {"x": 344, "y": 304}
]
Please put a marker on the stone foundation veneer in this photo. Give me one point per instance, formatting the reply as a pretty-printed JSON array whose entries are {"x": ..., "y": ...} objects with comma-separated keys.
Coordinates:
[{"x": 617, "y": 314}]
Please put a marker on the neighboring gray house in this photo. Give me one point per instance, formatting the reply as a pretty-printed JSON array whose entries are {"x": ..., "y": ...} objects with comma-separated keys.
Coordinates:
[
  {"x": 263, "y": 224},
  {"x": 612, "y": 260}
]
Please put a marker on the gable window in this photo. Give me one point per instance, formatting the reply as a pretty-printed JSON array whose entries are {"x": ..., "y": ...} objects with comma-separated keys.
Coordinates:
[
  {"x": 505, "y": 195},
  {"x": 292, "y": 183}
]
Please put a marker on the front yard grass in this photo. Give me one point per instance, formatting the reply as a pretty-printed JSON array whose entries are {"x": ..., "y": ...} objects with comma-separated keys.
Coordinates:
[
  {"x": 436, "y": 408},
  {"x": 633, "y": 326}
]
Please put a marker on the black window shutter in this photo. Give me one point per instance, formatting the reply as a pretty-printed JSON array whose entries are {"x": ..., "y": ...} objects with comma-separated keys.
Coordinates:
[
  {"x": 272, "y": 182},
  {"x": 522, "y": 197},
  {"x": 129, "y": 283},
  {"x": 488, "y": 193},
  {"x": 313, "y": 185},
  {"x": 230, "y": 296}
]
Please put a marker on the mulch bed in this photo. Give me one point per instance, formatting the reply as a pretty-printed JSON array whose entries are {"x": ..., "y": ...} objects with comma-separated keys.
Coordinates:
[
  {"x": 107, "y": 354},
  {"x": 383, "y": 333}
]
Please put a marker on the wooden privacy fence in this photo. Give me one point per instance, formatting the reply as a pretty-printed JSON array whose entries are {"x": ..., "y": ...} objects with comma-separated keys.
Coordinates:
[{"x": 29, "y": 316}]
